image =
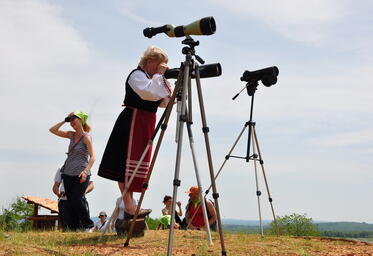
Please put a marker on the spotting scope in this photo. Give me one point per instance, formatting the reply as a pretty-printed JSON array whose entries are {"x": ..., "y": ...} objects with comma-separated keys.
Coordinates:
[
  {"x": 205, "y": 71},
  {"x": 205, "y": 26},
  {"x": 268, "y": 76}
]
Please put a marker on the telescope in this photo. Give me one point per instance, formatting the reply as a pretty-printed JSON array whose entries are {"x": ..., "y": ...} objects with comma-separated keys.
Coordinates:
[
  {"x": 205, "y": 71},
  {"x": 268, "y": 76},
  {"x": 205, "y": 26}
]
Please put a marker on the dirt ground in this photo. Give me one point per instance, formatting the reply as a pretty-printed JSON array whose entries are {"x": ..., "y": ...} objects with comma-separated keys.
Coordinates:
[{"x": 191, "y": 243}]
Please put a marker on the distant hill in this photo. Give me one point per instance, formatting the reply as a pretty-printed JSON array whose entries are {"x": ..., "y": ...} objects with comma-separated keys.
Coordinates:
[
  {"x": 345, "y": 226},
  {"x": 244, "y": 222},
  {"x": 329, "y": 229}
]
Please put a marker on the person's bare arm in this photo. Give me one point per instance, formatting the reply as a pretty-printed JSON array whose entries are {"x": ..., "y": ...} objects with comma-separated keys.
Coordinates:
[
  {"x": 92, "y": 158},
  {"x": 56, "y": 189},
  {"x": 180, "y": 212},
  {"x": 55, "y": 129},
  {"x": 212, "y": 212}
]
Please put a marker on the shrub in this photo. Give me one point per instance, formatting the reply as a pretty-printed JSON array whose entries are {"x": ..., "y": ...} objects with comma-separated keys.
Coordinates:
[{"x": 295, "y": 225}]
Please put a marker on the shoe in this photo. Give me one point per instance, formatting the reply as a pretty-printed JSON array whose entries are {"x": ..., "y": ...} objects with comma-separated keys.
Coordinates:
[{"x": 142, "y": 213}]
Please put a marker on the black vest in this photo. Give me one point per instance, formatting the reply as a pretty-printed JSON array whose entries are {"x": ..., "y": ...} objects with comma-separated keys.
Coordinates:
[{"x": 131, "y": 98}]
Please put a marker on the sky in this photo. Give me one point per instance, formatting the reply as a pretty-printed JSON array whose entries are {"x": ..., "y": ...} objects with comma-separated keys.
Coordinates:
[{"x": 314, "y": 126}]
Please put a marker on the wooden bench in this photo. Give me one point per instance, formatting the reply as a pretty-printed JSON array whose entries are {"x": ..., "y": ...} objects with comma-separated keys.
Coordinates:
[{"x": 42, "y": 222}]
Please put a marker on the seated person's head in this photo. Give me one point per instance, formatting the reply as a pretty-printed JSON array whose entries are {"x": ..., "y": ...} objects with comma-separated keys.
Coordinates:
[
  {"x": 167, "y": 200},
  {"x": 193, "y": 193},
  {"x": 102, "y": 216}
]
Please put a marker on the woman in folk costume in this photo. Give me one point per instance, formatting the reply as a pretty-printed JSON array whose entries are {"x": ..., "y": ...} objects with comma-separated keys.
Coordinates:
[
  {"x": 146, "y": 90},
  {"x": 76, "y": 170}
]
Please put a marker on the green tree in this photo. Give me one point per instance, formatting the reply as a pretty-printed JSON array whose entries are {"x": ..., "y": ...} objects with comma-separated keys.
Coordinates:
[
  {"x": 295, "y": 225},
  {"x": 15, "y": 217}
]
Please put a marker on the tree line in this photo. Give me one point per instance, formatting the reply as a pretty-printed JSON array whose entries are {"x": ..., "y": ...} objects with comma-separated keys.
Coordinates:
[{"x": 14, "y": 218}]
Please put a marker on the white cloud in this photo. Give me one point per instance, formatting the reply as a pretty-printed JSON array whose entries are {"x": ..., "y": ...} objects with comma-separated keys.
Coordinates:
[
  {"x": 128, "y": 9},
  {"x": 47, "y": 69},
  {"x": 34, "y": 38},
  {"x": 303, "y": 20},
  {"x": 359, "y": 137}
]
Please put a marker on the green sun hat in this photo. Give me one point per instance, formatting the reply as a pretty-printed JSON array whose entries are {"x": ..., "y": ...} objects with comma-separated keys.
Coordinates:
[{"x": 83, "y": 116}]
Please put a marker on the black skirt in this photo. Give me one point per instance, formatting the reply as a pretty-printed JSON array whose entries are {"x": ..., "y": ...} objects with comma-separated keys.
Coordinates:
[{"x": 128, "y": 140}]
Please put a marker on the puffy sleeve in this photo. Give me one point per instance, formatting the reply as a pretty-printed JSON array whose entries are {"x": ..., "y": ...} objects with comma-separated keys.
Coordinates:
[{"x": 153, "y": 89}]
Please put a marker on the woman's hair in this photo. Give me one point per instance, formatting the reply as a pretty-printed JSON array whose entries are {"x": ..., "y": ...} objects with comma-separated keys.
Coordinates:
[
  {"x": 153, "y": 53},
  {"x": 86, "y": 127},
  {"x": 166, "y": 198}
]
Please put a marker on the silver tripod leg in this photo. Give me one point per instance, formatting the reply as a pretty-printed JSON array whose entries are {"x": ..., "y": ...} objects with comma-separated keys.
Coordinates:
[
  {"x": 229, "y": 154},
  {"x": 176, "y": 181},
  {"x": 258, "y": 193},
  {"x": 205, "y": 130},
  {"x": 204, "y": 210},
  {"x": 221, "y": 167},
  {"x": 265, "y": 180}
]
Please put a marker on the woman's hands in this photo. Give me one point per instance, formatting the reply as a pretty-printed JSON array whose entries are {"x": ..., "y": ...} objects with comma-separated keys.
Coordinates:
[
  {"x": 68, "y": 118},
  {"x": 55, "y": 129},
  {"x": 162, "y": 67},
  {"x": 83, "y": 176}
]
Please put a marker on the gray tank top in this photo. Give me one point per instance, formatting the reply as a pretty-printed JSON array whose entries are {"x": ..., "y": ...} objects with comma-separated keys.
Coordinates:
[{"x": 77, "y": 158}]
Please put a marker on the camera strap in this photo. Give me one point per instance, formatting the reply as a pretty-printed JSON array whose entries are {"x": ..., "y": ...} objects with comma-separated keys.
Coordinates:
[{"x": 76, "y": 143}]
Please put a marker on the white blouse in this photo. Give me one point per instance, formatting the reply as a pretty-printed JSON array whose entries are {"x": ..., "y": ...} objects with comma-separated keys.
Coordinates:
[{"x": 153, "y": 89}]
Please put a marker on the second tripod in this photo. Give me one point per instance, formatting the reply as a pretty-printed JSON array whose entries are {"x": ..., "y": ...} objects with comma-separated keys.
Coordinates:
[{"x": 252, "y": 141}]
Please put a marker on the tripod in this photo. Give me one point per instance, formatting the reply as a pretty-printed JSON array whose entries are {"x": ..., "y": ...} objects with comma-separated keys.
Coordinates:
[
  {"x": 252, "y": 139},
  {"x": 183, "y": 87}
]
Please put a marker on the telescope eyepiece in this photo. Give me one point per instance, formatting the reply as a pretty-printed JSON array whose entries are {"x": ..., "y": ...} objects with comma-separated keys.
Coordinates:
[{"x": 150, "y": 32}]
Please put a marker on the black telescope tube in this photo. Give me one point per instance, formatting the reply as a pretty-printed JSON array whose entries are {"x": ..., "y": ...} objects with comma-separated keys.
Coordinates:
[
  {"x": 259, "y": 74},
  {"x": 150, "y": 32},
  {"x": 205, "y": 71}
]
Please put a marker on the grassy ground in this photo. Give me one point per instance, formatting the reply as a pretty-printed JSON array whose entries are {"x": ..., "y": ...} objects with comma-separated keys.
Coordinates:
[{"x": 154, "y": 243}]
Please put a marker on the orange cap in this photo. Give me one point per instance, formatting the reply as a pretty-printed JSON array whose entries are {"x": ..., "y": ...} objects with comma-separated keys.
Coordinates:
[{"x": 193, "y": 190}]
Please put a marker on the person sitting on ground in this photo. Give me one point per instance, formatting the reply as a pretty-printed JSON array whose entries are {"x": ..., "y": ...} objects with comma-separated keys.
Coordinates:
[
  {"x": 119, "y": 214},
  {"x": 165, "y": 221},
  {"x": 102, "y": 223},
  {"x": 194, "y": 213}
]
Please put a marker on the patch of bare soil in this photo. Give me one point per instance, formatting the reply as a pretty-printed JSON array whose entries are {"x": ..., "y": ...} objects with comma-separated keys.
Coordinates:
[{"x": 192, "y": 243}]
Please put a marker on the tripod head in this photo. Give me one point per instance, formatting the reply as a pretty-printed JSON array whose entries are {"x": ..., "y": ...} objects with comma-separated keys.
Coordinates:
[
  {"x": 268, "y": 77},
  {"x": 189, "y": 50},
  {"x": 251, "y": 87}
]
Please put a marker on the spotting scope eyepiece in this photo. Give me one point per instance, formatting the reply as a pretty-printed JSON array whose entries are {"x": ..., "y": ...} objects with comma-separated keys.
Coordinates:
[
  {"x": 268, "y": 76},
  {"x": 150, "y": 32},
  {"x": 205, "y": 26},
  {"x": 205, "y": 71}
]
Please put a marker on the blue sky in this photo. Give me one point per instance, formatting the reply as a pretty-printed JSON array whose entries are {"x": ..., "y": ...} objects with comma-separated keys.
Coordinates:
[{"x": 314, "y": 125}]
